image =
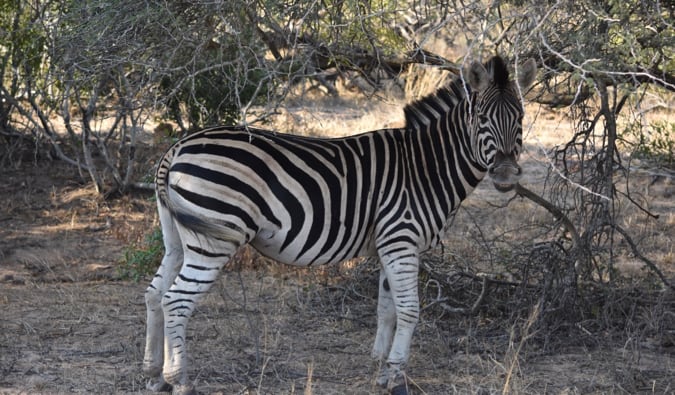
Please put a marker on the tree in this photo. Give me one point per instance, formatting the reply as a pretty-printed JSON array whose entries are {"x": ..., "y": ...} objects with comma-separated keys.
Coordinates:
[
  {"x": 602, "y": 57},
  {"x": 103, "y": 68}
]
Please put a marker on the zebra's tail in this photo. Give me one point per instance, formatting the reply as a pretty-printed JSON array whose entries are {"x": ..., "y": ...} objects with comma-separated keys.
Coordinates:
[{"x": 219, "y": 229}]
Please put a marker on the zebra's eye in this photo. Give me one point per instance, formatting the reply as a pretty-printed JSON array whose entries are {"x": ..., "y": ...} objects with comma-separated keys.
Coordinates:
[{"x": 483, "y": 119}]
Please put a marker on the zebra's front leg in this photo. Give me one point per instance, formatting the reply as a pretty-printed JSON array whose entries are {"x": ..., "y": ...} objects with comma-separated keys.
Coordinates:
[
  {"x": 401, "y": 275},
  {"x": 386, "y": 323}
]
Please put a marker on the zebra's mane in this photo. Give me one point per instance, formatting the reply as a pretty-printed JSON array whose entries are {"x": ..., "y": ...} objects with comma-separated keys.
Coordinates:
[{"x": 430, "y": 107}]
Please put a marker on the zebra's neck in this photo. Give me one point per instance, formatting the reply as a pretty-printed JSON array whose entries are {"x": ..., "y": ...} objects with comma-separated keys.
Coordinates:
[
  {"x": 440, "y": 126},
  {"x": 438, "y": 163}
]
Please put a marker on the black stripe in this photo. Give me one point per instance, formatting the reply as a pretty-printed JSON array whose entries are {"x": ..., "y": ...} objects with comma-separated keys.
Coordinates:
[
  {"x": 393, "y": 240},
  {"x": 200, "y": 267},
  {"x": 194, "y": 280},
  {"x": 420, "y": 204},
  {"x": 208, "y": 254},
  {"x": 216, "y": 205},
  {"x": 431, "y": 145},
  {"x": 366, "y": 208},
  {"x": 393, "y": 183},
  {"x": 179, "y": 301},
  {"x": 181, "y": 292},
  {"x": 234, "y": 183}
]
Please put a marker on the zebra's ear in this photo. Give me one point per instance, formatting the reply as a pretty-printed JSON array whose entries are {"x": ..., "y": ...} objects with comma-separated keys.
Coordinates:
[
  {"x": 527, "y": 72},
  {"x": 477, "y": 76}
]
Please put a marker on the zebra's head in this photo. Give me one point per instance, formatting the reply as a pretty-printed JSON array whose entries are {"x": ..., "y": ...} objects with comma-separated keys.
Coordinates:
[{"x": 497, "y": 118}]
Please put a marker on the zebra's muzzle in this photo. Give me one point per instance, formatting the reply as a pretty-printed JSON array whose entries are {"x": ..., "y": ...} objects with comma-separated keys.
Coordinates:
[
  {"x": 501, "y": 187},
  {"x": 505, "y": 172}
]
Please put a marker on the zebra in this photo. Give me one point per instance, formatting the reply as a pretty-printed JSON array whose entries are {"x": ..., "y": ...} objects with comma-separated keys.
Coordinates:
[{"x": 304, "y": 201}]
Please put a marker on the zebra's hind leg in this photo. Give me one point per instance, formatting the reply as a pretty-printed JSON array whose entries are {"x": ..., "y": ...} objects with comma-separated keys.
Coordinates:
[
  {"x": 167, "y": 272},
  {"x": 204, "y": 257},
  {"x": 386, "y": 323}
]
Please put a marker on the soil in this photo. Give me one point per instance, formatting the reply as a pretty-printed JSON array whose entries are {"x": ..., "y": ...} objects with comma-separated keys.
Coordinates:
[{"x": 70, "y": 324}]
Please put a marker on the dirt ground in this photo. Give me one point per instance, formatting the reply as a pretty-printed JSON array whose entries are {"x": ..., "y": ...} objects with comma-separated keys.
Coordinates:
[{"x": 69, "y": 324}]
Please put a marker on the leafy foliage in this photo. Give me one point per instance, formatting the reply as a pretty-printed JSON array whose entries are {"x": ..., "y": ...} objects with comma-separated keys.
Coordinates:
[
  {"x": 186, "y": 58},
  {"x": 142, "y": 260},
  {"x": 653, "y": 142}
]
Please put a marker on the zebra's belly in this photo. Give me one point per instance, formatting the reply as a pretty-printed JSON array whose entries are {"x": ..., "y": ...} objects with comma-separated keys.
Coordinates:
[{"x": 275, "y": 246}]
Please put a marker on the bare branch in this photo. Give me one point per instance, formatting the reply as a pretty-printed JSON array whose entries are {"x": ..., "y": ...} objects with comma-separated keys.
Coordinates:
[{"x": 636, "y": 251}]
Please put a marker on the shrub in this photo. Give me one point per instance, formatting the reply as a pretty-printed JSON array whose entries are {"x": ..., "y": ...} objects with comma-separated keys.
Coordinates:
[{"x": 143, "y": 259}]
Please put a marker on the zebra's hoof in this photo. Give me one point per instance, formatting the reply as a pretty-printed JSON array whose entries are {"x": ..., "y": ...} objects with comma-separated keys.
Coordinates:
[
  {"x": 158, "y": 386},
  {"x": 401, "y": 389},
  {"x": 184, "y": 390}
]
